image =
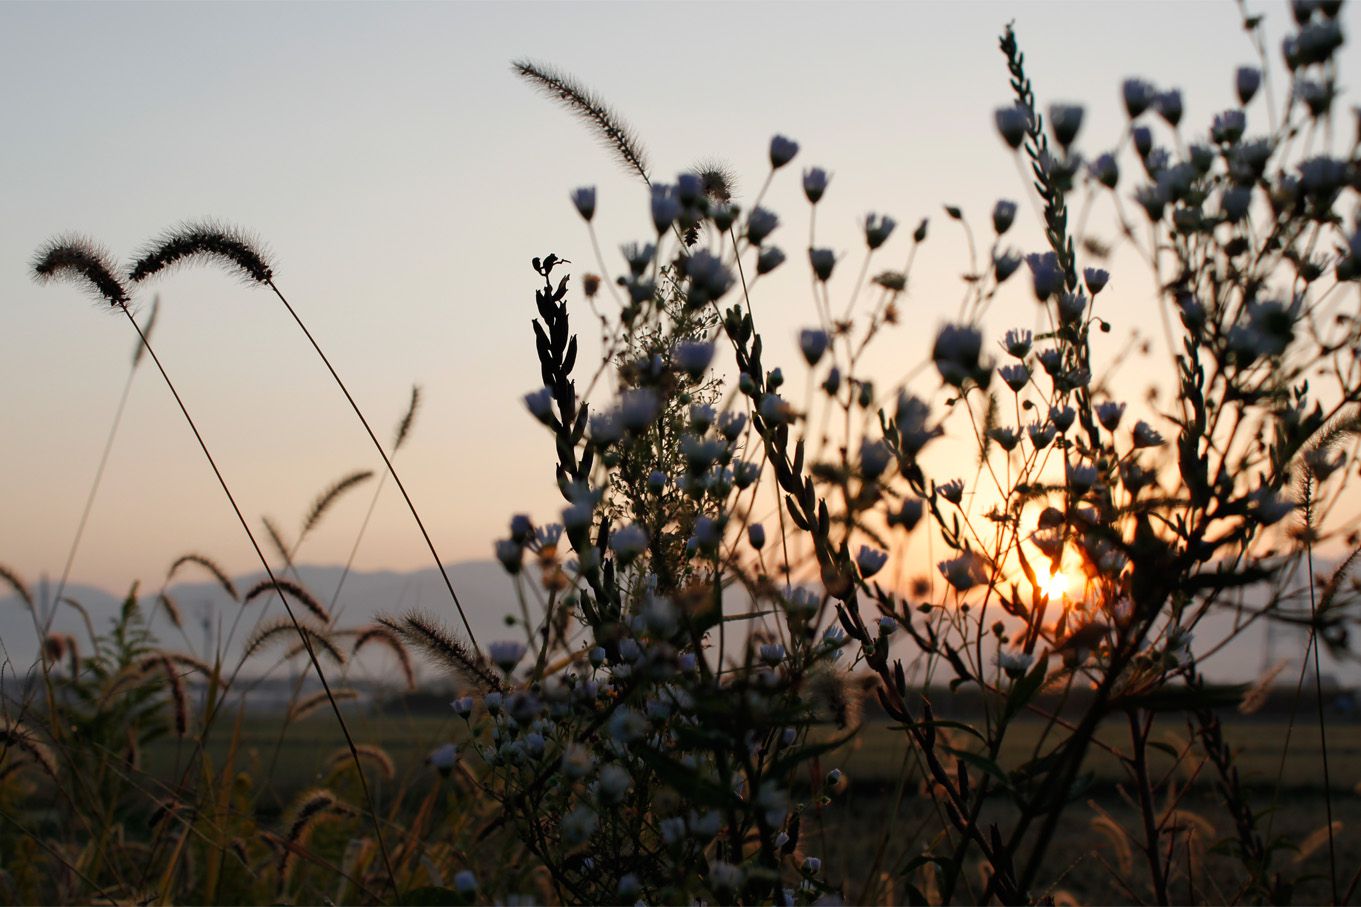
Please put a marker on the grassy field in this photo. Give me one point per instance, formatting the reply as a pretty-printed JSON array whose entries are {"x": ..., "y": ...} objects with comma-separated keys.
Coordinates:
[{"x": 870, "y": 829}]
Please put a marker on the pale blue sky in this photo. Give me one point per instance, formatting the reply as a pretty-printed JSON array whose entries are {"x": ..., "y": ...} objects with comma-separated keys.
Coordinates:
[{"x": 404, "y": 177}]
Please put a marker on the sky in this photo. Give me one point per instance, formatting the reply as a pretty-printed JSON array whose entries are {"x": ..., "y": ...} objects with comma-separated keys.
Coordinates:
[{"x": 403, "y": 178}]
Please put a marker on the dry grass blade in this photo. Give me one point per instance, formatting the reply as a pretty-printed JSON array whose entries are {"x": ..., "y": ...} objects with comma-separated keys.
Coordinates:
[
  {"x": 18, "y": 736},
  {"x": 276, "y": 538},
  {"x": 208, "y": 564},
  {"x": 286, "y": 587},
  {"x": 312, "y": 805},
  {"x": 284, "y": 627},
  {"x": 12, "y": 580},
  {"x": 377, "y": 633},
  {"x": 309, "y": 704},
  {"x": 613, "y": 132},
  {"x": 341, "y": 758},
  {"x": 203, "y": 241},
  {"x": 81, "y": 260},
  {"x": 172, "y": 610},
  {"x": 429, "y": 636},
  {"x": 328, "y": 497},
  {"x": 179, "y": 696},
  {"x": 404, "y": 427}
]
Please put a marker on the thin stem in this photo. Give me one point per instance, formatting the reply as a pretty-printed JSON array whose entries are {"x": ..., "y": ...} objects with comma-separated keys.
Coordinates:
[
  {"x": 472, "y": 637},
  {"x": 264, "y": 562}
]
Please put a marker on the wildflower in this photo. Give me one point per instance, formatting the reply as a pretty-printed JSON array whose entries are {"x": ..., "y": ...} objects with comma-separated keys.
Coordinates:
[
  {"x": 1045, "y": 273},
  {"x": 952, "y": 491},
  {"x": 510, "y": 554},
  {"x": 833, "y": 639},
  {"x": 957, "y": 355},
  {"x": 672, "y": 830},
  {"x": 578, "y": 826},
  {"x": 1169, "y": 106},
  {"x": 1227, "y": 128},
  {"x": 606, "y": 428},
  {"x": 702, "y": 416},
  {"x": 1080, "y": 477},
  {"x": 693, "y": 356},
  {"x": 1138, "y": 95},
  {"x": 834, "y": 777},
  {"x": 1109, "y": 414},
  {"x": 665, "y": 207},
  {"x": 627, "y": 725},
  {"x": 1246, "y": 82},
  {"x": 774, "y": 409},
  {"x": 870, "y": 561},
  {"x": 782, "y": 151},
  {"x": 1003, "y": 215},
  {"x": 912, "y": 414},
  {"x": 963, "y": 572},
  {"x": 1062, "y": 417},
  {"x": 909, "y": 513},
  {"x": 745, "y": 473},
  {"x": 638, "y": 257},
  {"x": 725, "y": 876},
  {"x": 1269, "y": 507},
  {"x": 1065, "y": 120},
  {"x": 465, "y": 882},
  {"x": 443, "y": 758},
  {"x": 638, "y": 408},
  {"x": 822, "y": 260},
  {"x": 1153, "y": 199},
  {"x": 772, "y": 653},
  {"x": 1146, "y": 436},
  {"x": 1017, "y": 342},
  {"x": 878, "y": 227},
  {"x": 1005, "y": 264},
  {"x": 803, "y": 602},
  {"x": 540, "y": 405},
  {"x": 506, "y": 654},
  {"x": 874, "y": 458},
  {"x": 1005, "y": 437},
  {"x": 760, "y": 224},
  {"x": 584, "y": 199},
  {"x": 811, "y": 866},
  {"x": 706, "y": 535},
  {"x": 463, "y": 707},
  {"x": 732, "y": 424},
  {"x": 769, "y": 259},
  {"x": 1014, "y": 662},
  {"x": 629, "y": 887},
  {"x": 629, "y": 542},
  {"x": 813, "y": 343},
  {"x": 1096, "y": 279},
  {"x": 1317, "y": 96},
  {"x": 1012, "y": 123},
  {"x": 709, "y": 278},
  {"x": 1040, "y": 435},
  {"x": 1071, "y": 306},
  {"x": 1105, "y": 170},
  {"x": 724, "y": 215},
  {"x": 815, "y": 184},
  {"x": 613, "y": 784}
]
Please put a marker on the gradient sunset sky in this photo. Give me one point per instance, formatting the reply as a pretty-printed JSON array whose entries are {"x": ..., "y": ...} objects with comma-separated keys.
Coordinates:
[{"x": 403, "y": 178}]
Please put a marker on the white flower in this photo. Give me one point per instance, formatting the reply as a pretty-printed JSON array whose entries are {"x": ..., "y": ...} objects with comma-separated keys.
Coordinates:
[
  {"x": 760, "y": 224},
  {"x": 782, "y": 151},
  {"x": 963, "y": 572},
  {"x": 665, "y": 207},
  {"x": 769, "y": 259},
  {"x": 584, "y": 199},
  {"x": 629, "y": 542},
  {"x": 1014, "y": 662},
  {"x": 772, "y": 653},
  {"x": 1145, "y": 435},
  {"x": 815, "y": 183},
  {"x": 443, "y": 758},
  {"x": 578, "y": 825},
  {"x": 613, "y": 784},
  {"x": 870, "y": 561},
  {"x": 506, "y": 654}
]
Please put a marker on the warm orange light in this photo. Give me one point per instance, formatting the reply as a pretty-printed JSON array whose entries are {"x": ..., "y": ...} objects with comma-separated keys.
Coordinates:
[{"x": 1063, "y": 585}]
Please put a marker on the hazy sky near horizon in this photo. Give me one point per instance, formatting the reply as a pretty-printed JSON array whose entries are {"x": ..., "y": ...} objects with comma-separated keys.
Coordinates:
[{"x": 403, "y": 177}]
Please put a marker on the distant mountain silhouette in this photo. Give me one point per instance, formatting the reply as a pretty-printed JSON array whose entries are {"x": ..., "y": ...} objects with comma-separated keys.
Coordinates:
[{"x": 483, "y": 587}]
